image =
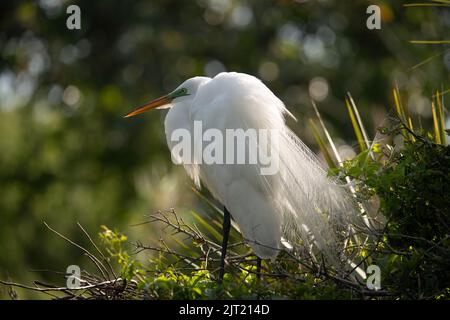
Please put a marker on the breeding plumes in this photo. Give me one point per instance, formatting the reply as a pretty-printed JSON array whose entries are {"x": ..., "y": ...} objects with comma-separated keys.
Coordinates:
[{"x": 288, "y": 197}]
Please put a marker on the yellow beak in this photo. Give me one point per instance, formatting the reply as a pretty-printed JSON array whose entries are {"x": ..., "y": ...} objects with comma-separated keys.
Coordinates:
[{"x": 151, "y": 105}]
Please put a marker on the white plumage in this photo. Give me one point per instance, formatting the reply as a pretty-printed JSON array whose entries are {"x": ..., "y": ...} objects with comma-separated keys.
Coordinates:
[{"x": 299, "y": 202}]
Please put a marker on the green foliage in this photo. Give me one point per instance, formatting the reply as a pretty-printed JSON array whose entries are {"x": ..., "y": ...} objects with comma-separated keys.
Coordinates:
[
  {"x": 413, "y": 192},
  {"x": 411, "y": 185},
  {"x": 417, "y": 205},
  {"x": 160, "y": 278},
  {"x": 114, "y": 242}
]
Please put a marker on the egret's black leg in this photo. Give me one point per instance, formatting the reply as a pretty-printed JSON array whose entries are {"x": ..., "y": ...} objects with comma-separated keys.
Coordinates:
[
  {"x": 258, "y": 268},
  {"x": 226, "y": 234}
]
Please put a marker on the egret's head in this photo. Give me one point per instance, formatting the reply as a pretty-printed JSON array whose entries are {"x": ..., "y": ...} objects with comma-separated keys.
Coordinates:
[{"x": 184, "y": 92}]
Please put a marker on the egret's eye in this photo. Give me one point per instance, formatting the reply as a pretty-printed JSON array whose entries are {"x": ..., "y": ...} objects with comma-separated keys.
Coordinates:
[{"x": 183, "y": 90}]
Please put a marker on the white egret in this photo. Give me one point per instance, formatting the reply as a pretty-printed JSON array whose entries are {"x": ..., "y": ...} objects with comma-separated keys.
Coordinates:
[{"x": 298, "y": 203}]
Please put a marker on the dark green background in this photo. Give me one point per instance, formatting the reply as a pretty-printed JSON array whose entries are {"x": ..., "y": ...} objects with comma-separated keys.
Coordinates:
[{"x": 66, "y": 153}]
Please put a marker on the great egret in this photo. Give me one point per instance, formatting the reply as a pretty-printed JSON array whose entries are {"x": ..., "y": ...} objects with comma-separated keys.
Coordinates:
[{"x": 297, "y": 202}]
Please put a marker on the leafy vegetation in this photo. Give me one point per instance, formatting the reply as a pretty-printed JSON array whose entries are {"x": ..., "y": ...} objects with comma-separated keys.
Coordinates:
[
  {"x": 411, "y": 186},
  {"x": 163, "y": 278},
  {"x": 410, "y": 182}
]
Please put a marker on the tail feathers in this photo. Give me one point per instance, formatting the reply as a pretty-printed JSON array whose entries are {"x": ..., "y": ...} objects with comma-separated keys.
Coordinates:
[{"x": 317, "y": 210}]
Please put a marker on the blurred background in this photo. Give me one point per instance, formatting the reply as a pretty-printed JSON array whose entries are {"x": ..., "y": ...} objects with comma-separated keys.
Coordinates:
[{"x": 66, "y": 153}]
